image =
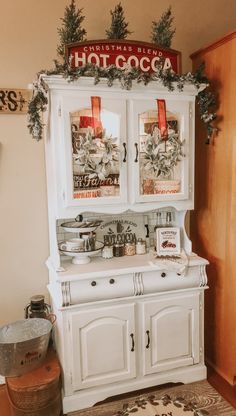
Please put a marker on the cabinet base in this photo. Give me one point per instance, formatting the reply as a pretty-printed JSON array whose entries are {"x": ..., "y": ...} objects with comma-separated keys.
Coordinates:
[{"x": 84, "y": 398}]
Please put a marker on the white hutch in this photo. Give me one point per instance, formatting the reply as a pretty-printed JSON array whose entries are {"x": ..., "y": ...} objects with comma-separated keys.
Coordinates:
[{"x": 127, "y": 322}]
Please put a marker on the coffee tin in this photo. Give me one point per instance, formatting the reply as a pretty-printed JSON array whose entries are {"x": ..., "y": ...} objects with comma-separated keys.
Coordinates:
[{"x": 119, "y": 250}]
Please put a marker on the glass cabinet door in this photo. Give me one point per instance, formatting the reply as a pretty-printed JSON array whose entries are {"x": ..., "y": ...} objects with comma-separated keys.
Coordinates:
[
  {"x": 161, "y": 162},
  {"x": 95, "y": 146}
]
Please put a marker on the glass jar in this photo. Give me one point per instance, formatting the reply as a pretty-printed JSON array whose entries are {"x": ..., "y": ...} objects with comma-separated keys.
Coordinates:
[
  {"x": 140, "y": 246},
  {"x": 130, "y": 249},
  {"x": 107, "y": 252},
  {"x": 119, "y": 250}
]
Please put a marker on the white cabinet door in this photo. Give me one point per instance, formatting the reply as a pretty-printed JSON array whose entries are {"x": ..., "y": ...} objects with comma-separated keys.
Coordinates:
[
  {"x": 170, "y": 335},
  {"x": 103, "y": 346},
  {"x": 160, "y": 166},
  {"x": 93, "y": 166}
]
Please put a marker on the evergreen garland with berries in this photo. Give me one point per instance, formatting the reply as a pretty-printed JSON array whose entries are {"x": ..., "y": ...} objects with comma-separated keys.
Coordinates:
[{"x": 169, "y": 79}]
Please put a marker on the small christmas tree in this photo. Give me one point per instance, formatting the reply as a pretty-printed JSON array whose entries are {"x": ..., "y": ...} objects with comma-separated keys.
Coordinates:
[
  {"x": 71, "y": 30},
  {"x": 161, "y": 31},
  {"x": 118, "y": 29}
]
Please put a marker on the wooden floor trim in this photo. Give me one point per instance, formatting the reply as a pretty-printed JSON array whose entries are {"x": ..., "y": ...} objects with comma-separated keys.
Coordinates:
[{"x": 225, "y": 389}]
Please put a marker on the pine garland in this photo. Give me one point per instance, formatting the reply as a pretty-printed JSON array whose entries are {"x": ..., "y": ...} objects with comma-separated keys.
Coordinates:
[
  {"x": 169, "y": 79},
  {"x": 37, "y": 105}
]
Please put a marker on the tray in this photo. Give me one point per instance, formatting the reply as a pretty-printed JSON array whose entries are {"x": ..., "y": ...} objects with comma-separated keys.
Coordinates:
[
  {"x": 82, "y": 257},
  {"x": 80, "y": 227}
]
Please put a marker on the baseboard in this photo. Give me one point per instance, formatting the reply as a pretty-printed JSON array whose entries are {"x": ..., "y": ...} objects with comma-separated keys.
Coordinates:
[
  {"x": 227, "y": 390},
  {"x": 214, "y": 367},
  {"x": 89, "y": 397}
]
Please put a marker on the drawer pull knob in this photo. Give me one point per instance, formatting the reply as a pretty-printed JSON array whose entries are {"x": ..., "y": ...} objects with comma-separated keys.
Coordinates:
[
  {"x": 136, "y": 149},
  {"x": 125, "y": 150},
  {"x": 132, "y": 338},
  {"x": 148, "y": 339},
  {"x": 93, "y": 283},
  {"x": 112, "y": 281},
  {"x": 163, "y": 274}
]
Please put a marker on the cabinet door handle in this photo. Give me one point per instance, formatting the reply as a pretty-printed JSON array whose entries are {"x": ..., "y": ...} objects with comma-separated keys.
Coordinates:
[
  {"x": 148, "y": 339},
  {"x": 136, "y": 157},
  {"x": 132, "y": 338},
  {"x": 125, "y": 154}
]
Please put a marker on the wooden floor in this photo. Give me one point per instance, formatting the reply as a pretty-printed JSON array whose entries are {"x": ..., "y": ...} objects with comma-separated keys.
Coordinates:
[{"x": 226, "y": 390}]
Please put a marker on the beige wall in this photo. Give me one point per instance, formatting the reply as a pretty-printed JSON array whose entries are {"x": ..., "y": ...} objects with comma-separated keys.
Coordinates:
[{"x": 28, "y": 39}]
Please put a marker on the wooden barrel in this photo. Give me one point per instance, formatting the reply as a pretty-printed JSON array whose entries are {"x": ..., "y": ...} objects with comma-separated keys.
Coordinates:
[{"x": 38, "y": 392}]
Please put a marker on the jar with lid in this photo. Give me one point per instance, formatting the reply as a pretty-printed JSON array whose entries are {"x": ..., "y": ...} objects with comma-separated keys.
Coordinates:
[
  {"x": 130, "y": 249},
  {"x": 119, "y": 250},
  {"x": 107, "y": 251},
  {"x": 141, "y": 246},
  {"x": 37, "y": 308}
]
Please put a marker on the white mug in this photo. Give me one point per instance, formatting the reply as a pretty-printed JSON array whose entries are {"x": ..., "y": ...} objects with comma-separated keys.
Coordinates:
[{"x": 76, "y": 244}]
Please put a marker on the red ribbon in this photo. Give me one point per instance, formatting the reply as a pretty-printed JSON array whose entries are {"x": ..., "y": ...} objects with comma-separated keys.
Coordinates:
[
  {"x": 96, "y": 113},
  {"x": 162, "y": 124},
  {"x": 93, "y": 121}
]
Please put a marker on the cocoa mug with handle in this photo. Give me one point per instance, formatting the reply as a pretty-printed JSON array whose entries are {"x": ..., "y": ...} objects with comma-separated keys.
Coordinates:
[{"x": 74, "y": 244}]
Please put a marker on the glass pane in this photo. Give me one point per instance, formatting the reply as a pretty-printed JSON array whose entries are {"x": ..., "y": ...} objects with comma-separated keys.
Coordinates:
[
  {"x": 95, "y": 151},
  {"x": 160, "y": 159}
]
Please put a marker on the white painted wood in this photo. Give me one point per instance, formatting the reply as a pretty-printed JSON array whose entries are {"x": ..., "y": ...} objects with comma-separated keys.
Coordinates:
[
  {"x": 85, "y": 398},
  {"x": 88, "y": 317},
  {"x": 170, "y": 333},
  {"x": 103, "y": 345},
  {"x": 95, "y": 322},
  {"x": 71, "y": 103},
  {"x": 127, "y": 104},
  {"x": 181, "y": 112}
]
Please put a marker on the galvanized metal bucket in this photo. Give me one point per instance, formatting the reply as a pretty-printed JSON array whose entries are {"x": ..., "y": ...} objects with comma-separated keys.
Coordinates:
[{"x": 23, "y": 345}]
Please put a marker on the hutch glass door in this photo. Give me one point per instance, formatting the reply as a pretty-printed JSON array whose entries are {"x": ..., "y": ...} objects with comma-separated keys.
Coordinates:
[
  {"x": 160, "y": 161},
  {"x": 95, "y": 150}
]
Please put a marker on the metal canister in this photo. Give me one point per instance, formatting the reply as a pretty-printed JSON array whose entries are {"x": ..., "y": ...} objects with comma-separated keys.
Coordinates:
[
  {"x": 130, "y": 249},
  {"x": 140, "y": 246},
  {"x": 119, "y": 250}
]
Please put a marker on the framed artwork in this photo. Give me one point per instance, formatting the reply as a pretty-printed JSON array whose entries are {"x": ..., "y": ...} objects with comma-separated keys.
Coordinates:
[{"x": 168, "y": 241}]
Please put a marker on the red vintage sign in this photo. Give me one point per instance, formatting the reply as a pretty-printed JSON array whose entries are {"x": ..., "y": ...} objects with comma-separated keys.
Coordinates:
[{"x": 123, "y": 54}]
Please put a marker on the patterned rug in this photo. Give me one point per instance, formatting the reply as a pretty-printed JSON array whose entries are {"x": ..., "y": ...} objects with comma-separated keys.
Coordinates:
[{"x": 195, "y": 399}]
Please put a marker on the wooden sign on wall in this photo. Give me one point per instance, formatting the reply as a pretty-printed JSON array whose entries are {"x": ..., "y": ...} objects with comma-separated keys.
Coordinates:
[{"x": 14, "y": 101}]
